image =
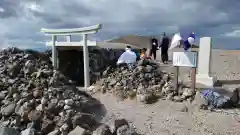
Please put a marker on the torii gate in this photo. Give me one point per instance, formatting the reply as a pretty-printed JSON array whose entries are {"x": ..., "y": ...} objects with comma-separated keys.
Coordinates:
[{"x": 84, "y": 31}]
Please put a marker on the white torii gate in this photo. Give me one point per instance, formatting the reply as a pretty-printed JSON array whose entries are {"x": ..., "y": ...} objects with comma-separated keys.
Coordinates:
[{"x": 84, "y": 31}]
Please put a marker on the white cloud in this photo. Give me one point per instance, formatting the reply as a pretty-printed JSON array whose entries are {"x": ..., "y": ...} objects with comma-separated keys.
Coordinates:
[
  {"x": 25, "y": 18},
  {"x": 2, "y": 9},
  {"x": 235, "y": 33}
]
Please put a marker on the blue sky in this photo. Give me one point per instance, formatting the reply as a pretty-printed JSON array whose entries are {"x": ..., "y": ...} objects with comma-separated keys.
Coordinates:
[{"x": 21, "y": 20}]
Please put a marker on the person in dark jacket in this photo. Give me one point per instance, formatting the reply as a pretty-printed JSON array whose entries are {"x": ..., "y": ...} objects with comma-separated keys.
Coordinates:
[
  {"x": 153, "y": 51},
  {"x": 164, "y": 48}
]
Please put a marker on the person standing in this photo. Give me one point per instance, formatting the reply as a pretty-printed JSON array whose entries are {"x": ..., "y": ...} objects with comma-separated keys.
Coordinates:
[
  {"x": 164, "y": 48},
  {"x": 153, "y": 51},
  {"x": 189, "y": 42}
]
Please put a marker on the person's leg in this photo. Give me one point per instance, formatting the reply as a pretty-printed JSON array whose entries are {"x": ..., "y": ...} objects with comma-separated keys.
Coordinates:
[
  {"x": 166, "y": 55},
  {"x": 151, "y": 53},
  {"x": 154, "y": 54},
  {"x": 163, "y": 56}
]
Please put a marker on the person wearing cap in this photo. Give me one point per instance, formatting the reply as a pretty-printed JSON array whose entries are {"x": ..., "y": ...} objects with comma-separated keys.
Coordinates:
[
  {"x": 128, "y": 57},
  {"x": 189, "y": 42},
  {"x": 164, "y": 48}
]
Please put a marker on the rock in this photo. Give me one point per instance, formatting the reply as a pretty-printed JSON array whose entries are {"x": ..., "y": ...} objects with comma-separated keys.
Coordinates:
[
  {"x": 188, "y": 92},
  {"x": 2, "y": 95},
  {"x": 34, "y": 115},
  {"x": 126, "y": 130},
  {"x": 199, "y": 101},
  {"x": 37, "y": 93},
  {"x": 119, "y": 123},
  {"x": 102, "y": 130},
  {"x": 142, "y": 98},
  {"x": 40, "y": 107},
  {"x": 28, "y": 131},
  {"x": 69, "y": 102},
  {"x": 55, "y": 132},
  {"x": 177, "y": 98},
  {"x": 169, "y": 96},
  {"x": 5, "y": 123},
  {"x": 148, "y": 68},
  {"x": 44, "y": 101},
  {"x": 47, "y": 126},
  {"x": 16, "y": 97},
  {"x": 84, "y": 121},
  {"x": 8, "y": 109},
  {"x": 235, "y": 96},
  {"x": 36, "y": 99},
  {"x": 78, "y": 131},
  {"x": 64, "y": 128},
  {"x": 23, "y": 112},
  {"x": 112, "y": 82},
  {"x": 184, "y": 109},
  {"x": 146, "y": 74},
  {"x": 8, "y": 131}
]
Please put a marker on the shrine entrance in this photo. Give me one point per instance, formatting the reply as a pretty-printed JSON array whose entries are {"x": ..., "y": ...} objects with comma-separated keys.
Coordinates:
[{"x": 66, "y": 55}]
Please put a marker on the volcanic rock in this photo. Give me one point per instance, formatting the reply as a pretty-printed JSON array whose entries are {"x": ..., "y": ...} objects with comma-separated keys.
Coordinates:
[
  {"x": 147, "y": 82},
  {"x": 36, "y": 99}
]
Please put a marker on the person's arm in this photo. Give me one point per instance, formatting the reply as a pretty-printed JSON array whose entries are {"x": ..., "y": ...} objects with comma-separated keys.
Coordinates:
[
  {"x": 121, "y": 59},
  {"x": 162, "y": 41}
]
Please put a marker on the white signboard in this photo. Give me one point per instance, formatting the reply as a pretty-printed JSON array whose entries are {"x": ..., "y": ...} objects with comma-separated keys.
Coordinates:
[{"x": 185, "y": 59}]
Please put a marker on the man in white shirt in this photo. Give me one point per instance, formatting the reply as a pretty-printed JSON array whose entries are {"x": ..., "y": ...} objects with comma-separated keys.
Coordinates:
[{"x": 128, "y": 57}]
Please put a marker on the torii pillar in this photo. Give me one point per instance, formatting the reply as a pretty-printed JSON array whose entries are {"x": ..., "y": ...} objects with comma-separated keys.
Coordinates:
[{"x": 84, "y": 31}]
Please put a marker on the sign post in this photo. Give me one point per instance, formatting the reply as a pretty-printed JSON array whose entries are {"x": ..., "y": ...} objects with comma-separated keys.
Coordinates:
[{"x": 185, "y": 59}]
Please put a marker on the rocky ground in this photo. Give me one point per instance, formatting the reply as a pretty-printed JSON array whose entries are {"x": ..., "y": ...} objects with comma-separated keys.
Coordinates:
[
  {"x": 182, "y": 118},
  {"x": 172, "y": 118},
  {"x": 35, "y": 99}
]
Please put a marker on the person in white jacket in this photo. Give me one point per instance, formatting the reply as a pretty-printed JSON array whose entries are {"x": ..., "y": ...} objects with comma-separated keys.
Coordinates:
[{"x": 128, "y": 57}]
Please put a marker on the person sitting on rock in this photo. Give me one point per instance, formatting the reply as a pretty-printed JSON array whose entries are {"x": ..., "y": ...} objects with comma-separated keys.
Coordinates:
[
  {"x": 128, "y": 57},
  {"x": 144, "y": 54}
]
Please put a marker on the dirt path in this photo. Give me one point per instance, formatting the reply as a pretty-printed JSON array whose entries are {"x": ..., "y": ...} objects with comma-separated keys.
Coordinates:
[{"x": 166, "y": 118}]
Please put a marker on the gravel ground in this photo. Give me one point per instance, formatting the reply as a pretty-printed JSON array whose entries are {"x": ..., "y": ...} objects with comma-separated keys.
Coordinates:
[{"x": 166, "y": 117}]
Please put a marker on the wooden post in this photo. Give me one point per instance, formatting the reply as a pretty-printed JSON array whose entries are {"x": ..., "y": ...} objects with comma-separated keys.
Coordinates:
[
  {"x": 177, "y": 77},
  {"x": 86, "y": 62},
  {"x": 193, "y": 73},
  {"x": 54, "y": 52},
  {"x": 57, "y": 59},
  {"x": 193, "y": 76}
]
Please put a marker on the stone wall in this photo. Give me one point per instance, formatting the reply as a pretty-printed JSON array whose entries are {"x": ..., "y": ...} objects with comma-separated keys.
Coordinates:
[{"x": 71, "y": 62}]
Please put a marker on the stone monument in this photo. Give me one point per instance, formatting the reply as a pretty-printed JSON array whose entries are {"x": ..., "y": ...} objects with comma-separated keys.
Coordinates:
[{"x": 204, "y": 63}]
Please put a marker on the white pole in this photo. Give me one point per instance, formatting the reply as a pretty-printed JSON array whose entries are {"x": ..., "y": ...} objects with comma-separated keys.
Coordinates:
[
  {"x": 86, "y": 62},
  {"x": 54, "y": 52},
  {"x": 69, "y": 38}
]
